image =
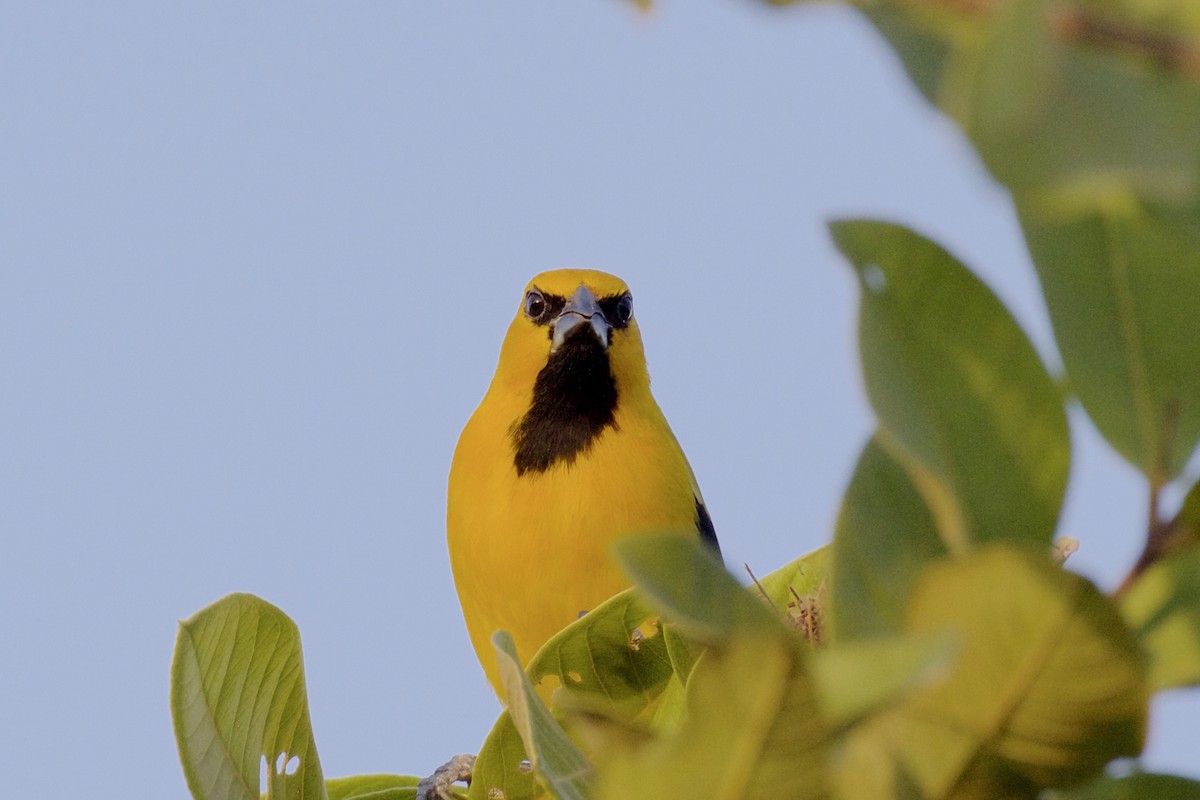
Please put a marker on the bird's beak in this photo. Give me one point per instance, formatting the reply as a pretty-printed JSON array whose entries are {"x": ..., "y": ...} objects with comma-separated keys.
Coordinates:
[{"x": 582, "y": 308}]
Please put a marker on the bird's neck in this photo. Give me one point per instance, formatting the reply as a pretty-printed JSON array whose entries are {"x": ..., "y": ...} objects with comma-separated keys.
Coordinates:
[{"x": 574, "y": 400}]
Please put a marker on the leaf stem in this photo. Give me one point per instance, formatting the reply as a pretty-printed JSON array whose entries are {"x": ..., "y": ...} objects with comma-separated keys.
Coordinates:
[
  {"x": 1171, "y": 52},
  {"x": 1162, "y": 536}
]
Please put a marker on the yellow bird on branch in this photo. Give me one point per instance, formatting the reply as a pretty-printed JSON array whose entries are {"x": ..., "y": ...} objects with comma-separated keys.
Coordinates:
[{"x": 567, "y": 453}]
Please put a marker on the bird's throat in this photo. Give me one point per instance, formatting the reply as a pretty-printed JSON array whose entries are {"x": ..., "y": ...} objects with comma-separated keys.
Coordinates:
[{"x": 574, "y": 398}]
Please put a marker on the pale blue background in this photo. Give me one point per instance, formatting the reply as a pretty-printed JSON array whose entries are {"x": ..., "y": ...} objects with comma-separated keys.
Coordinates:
[{"x": 257, "y": 262}]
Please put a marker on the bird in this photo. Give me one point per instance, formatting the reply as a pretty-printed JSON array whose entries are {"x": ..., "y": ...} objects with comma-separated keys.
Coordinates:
[{"x": 566, "y": 453}]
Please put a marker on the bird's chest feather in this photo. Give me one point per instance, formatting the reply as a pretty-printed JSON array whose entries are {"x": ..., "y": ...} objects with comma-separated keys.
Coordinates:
[
  {"x": 631, "y": 478},
  {"x": 540, "y": 542}
]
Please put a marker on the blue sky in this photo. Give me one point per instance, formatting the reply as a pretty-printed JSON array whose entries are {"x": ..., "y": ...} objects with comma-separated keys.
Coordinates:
[{"x": 258, "y": 260}]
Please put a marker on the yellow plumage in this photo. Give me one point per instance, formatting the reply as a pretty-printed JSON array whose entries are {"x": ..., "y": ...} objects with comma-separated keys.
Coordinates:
[{"x": 566, "y": 453}]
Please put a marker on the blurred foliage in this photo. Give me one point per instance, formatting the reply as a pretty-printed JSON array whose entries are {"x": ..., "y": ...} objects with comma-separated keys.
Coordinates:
[
  {"x": 1164, "y": 608},
  {"x": 964, "y": 403},
  {"x": 1088, "y": 113},
  {"x": 1139, "y": 786},
  {"x": 936, "y": 649}
]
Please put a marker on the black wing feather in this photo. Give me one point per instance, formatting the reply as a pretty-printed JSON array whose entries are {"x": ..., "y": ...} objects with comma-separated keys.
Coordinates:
[{"x": 708, "y": 534}]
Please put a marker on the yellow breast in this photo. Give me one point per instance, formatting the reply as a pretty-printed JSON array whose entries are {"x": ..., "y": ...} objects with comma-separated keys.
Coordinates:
[{"x": 531, "y": 553}]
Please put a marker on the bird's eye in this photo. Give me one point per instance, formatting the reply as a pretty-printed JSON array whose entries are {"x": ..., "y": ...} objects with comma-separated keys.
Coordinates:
[
  {"x": 535, "y": 304},
  {"x": 625, "y": 309}
]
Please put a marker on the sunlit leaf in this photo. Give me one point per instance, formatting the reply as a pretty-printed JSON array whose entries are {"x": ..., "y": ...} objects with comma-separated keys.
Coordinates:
[
  {"x": 1047, "y": 669},
  {"x": 1121, "y": 289},
  {"x": 599, "y": 732},
  {"x": 685, "y": 581},
  {"x": 682, "y": 652},
  {"x": 963, "y": 401},
  {"x": 897, "y": 754},
  {"x": 857, "y": 678},
  {"x": 500, "y": 767},
  {"x": 555, "y": 759},
  {"x": 752, "y": 728},
  {"x": 373, "y": 787},
  {"x": 1163, "y": 607},
  {"x": 672, "y": 704},
  {"x": 612, "y": 652},
  {"x": 798, "y": 591},
  {"x": 753, "y": 731},
  {"x": 885, "y": 537},
  {"x": 802, "y": 577},
  {"x": 237, "y": 697},
  {"x": 671, "y": 707},
  {"x": 1048, "y": 687}
]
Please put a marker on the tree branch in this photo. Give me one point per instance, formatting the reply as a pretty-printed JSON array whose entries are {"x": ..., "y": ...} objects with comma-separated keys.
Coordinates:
[
  {"x": 1073, "y": 25},
  {"x": 1163, "y": 538}
]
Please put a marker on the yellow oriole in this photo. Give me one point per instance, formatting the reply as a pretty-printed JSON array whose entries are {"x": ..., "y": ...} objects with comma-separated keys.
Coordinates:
[{"x": 566, "y": 453}]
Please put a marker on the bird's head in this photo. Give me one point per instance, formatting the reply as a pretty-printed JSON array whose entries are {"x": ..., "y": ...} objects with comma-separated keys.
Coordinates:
[
  {"x": 571, "y": 316},
  {"x": 572, "y": 360}
]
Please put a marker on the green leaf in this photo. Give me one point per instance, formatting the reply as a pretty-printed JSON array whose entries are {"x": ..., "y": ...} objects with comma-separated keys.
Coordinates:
[
  {"x": 924, "y": 49},
  {"x": 600, "y": 733},
  {"x": 682, "y": 652},
  {"x": 1163, "y": 608},
  {"x": 372, "y": 787},
  {"x": 1142, "y": 786},
  {"x": 963, "y": 401},
  {"x": 1102, "y": 153},
  {"x": 857, "y": 678},
  {"x": 1045, "y": 114},
  {"x": 1002, "y": 88},
  {"x": 1183, "y": 532},
  {"x": 613, "y": 651},
  {"x": 797, "y": 591},
  {"x": 1049, "y": 685},
  {"x": 672, "y": 704},
  {"x": 1186, "y": 525},
  {"x": 899, "y": 755},
  {"x": 691, "y": 587},
  {"x": 557, "y": 762},
  {"x": 803, "y": 577},
  {"x": 1174, "y": 18},
  {"x": 1121, "y": 287},
  {"x": 237, "y": 696},
  {"x": 498, "y": 767},
  {"x": 885, "y": 537},
  {"x": 753, "y": 730}
]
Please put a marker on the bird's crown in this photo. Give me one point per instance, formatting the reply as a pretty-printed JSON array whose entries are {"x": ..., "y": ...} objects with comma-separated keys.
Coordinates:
[{"x": 563, "y": 282}]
